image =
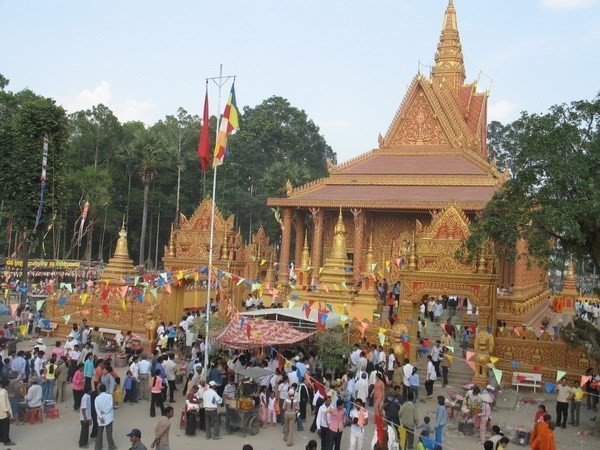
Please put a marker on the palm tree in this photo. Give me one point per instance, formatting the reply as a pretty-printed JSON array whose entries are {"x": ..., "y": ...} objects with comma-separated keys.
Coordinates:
[{"x": 150, "y": 155}]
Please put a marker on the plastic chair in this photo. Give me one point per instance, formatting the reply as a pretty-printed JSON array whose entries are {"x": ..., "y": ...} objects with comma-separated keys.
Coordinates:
[
  {"x": 53, "y": 413},
  {"x": 36, "y": 415}
]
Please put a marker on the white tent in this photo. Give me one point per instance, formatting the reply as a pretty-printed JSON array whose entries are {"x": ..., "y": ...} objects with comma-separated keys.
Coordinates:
[{"x": 296, "y": 317}]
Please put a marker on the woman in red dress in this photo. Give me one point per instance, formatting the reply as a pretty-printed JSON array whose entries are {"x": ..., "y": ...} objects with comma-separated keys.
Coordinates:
[{"x": 378, "y": 394}]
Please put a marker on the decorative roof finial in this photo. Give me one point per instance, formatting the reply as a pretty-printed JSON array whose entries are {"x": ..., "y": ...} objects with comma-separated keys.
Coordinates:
[{"x": 449, "y": 67}]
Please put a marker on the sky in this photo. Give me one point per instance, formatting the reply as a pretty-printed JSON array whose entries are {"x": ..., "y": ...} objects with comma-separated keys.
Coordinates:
[{"x": 347, "y": 63}]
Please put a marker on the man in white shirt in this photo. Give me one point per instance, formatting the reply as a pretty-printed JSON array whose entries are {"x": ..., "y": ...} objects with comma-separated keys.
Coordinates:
[
  {"x": 184, "y": 324},
  {"x": 85, "y": 417},
  {"x": 211, "y": 400},
  {"x": 105, "y": 414},
  {"x": 33, "y": 398},
  {"x": 170, "y": 367},
  {"x": 322, "y": 425},
  {"x": 40, "y": 345},
  {"x": 135, "y": 374},
  {"x": 144, "y": 374},
  {"x": 430, "y": 377},
  {"x": 361, "y": 390},
  {"x": 5, "y": 413},
  {"x": 354, "y": 358},
  {"x": 359, "y": 418},
  {"x": 38, "y": 364},
  {"x": 435, "y": 357},
  {"x": 407, "y": 371},
  {"x": 391, "y": 364}
]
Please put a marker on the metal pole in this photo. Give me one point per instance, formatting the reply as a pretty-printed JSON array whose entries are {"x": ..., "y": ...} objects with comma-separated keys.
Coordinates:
[{"x": 221, "y": 81}]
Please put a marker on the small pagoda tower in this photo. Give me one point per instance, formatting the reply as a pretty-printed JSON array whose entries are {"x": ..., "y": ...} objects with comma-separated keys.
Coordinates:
[
  {"x": 303, "y": 271},
  {"x": 338, "y": 268},
  {"x": 569, "y": 292},
  {"x": 120, "y": 265}
]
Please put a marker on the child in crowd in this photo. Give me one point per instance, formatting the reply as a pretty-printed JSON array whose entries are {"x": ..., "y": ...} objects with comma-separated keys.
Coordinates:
[
  {"x": 272, "y": 409},
  {"x": 263, "y": 403},
  {"x": 128, "y": 387},
  {"x": 425, "y": 427},
  {"x": 117, "y": 393}
]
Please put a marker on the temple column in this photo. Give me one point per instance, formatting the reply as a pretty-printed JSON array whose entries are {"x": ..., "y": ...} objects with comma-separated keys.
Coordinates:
[
  {"x": 299, "y": 238},
  {"x": 359, "y": 241},
  {"x": 408, "y": 314},
  {"x": 286, "y": 242},
  {"x": 318, "y": 222}
]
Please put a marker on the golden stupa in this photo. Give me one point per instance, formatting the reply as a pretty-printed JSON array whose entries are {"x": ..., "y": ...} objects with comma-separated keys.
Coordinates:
[
  {"x": 337, "y": 267},
  {"x": 120, "y": 265}
]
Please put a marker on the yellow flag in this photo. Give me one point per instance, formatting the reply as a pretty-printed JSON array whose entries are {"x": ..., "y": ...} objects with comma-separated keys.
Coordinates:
[
  {"x": 382, "y": 330},
  {"x": 493, "y": 359},
  {"x": 84, "y": 297},
  {"x": 123, "y": 305},
  {"x": 22, "y": 329},
  {"x": 180, "y": 274},
  {"x": 262, "y": 262}
]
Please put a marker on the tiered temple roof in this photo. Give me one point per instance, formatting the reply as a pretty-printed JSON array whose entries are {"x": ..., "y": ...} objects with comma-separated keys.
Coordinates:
[{"x": 434, "y": 151}]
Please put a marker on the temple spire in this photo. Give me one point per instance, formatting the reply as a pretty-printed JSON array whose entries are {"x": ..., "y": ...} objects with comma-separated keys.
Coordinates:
[{"x": 449, "y": 69}]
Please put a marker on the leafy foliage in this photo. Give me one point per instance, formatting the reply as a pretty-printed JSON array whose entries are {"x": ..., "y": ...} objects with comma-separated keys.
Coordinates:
[
  {"x": 333, "y": 345},
  {"x": 552, "y": 197},
  {"x": 580, "y": 333}
]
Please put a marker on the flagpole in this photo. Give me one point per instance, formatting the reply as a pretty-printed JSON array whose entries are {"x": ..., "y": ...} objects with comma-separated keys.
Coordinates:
[{"x": 220, "y": 83}]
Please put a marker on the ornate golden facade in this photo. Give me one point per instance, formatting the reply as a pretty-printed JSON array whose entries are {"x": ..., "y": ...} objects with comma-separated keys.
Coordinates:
[{"x": 412, "y": 200}]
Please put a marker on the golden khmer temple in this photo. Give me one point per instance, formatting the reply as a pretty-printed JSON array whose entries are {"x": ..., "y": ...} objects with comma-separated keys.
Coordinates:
[{"x": 402, "y": 210}]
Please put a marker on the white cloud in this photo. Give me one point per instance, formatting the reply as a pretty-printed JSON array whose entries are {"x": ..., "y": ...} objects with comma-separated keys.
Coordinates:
[
  {"x": 568, "y": 4},
  {"x": 502, "y": 111},
  {"x": 125, "y": 110}
]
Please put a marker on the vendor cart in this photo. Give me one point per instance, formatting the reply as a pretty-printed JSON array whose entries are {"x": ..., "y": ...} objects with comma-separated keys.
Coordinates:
[{"x": 243, "y": 412}]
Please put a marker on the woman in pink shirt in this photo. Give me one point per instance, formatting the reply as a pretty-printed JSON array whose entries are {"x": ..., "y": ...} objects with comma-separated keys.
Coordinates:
[
  {"x": 77, "y": 386},
  {"x": 58, "y": 351}
]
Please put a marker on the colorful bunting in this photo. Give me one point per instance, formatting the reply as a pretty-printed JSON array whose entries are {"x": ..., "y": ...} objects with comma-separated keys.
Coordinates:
[
  {"x": 515, "y": 364},
  {"x": 498, "y": 375},
  {"x": 67, "y": 317},
  {"x": 560, "y": 375},
  {"x": 291, "y": 304},
  {"x": 584, "y": 380},
  {"x": 493, "y": 359},
  {"x": 84, "y": 297},
  {"x": 469, "y": 355},
  {"x": 39, "y": 304},
  {"x": 471, "y": 365},
  {"x": 106, "y": 310},
  {"x": 550, "y": 387},
  {"x": 22, "y": 329},
  {"x": 381, "y": 338},
  {"x": 62, "y": 301}
]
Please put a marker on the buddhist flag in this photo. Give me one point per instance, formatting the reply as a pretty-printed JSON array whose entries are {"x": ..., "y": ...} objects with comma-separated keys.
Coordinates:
[
  {"x": 204, "y": 142},
  {"x": 229, "y": 123}
]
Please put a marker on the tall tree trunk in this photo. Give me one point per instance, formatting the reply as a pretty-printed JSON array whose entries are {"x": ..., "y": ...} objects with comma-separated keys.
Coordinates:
[
  {"x": 144, "y": 220},
  {"x": 25, "y": 258},
  {"x": 149, "y": 265},
  {"x": 129, "y": 175},
  {"x": 177, "y": 197},
  {"x": 157, "y": 233}
]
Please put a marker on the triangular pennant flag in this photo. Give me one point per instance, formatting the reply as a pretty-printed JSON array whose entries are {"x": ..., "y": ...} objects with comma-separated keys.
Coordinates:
[
  {"x": 321, "y": 270},
  {"x": 105, "y": 309},
  {"x": 584, "y": 380},
  {"x": 550, "y": 387},
  {"x": 451, "y": 348},
  {"x": 39, "y": 304},
  {"x": 373, "y": 266},
  {"x": 69, "y": 287},
  {"x": 240, "y": 281},
  {"x": 443, "y": 325},
  {"x": 325, "y": 288},
  {"x": 291, "y": 304},
  {"x": 516, "y": 331},
  {"x": 62, "y": 301},
  {"x": 515, "y": 364},
  {"x": 560, "y": 375},
  {"x": 382, "y": 330},
  {"x": 85, "y": 312},
  {"x": 376, "y": 315},
  {"x": 84, "y": 297},
  {"x": 469, "y": 355},
  {"x": 22, "y": 329},
  {"x": 498, "y": 375},
  {"x": 123, "y": 305},
  {"x": 344, "y": 285},
  {"x": 136, "y": 281},
  {"x": 357, "y": 314},
  {"x": 262, "y": 262},
  {"x": 123, "y": 290},
  {"x": 537, "y": 368},
  {"x": 493, "y": 359},
  {"x": 329, "y": 307},
  {"x": 307, "y": 311},
  {"x": 381, "y": 338},
  {"x": 406, "y": 346},
  {"x": 426, "y": 343},
  {"x": 471, "y": 365},
  {"x": 140, "y": 298},
  {"x": 343, "y": 318},
  {"x": 167, "y": 287},
  {"x": 457, "y": 327},
  {"x": 488, "y": 329},
  {"x": 450, "y": 358},
  {"x": 67, "y": 317},
  {"x": 154, "y": 292},
  {"x": 404, "y": 337}
]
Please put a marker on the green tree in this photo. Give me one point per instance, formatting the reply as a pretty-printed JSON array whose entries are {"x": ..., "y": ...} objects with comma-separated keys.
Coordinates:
[
  {"x": 150, "y": 155},
  {"x": 333, "y": 345},
  {"x": 24, "y": 118},
  {"x": 180, "y": 136},
  {"x": 551, "y": 200},
  {"x": 271, "y": 132}
]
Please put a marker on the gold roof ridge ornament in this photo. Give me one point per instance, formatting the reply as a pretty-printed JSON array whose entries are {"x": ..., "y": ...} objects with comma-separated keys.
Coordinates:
[{"x": 449, "y": 68}]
